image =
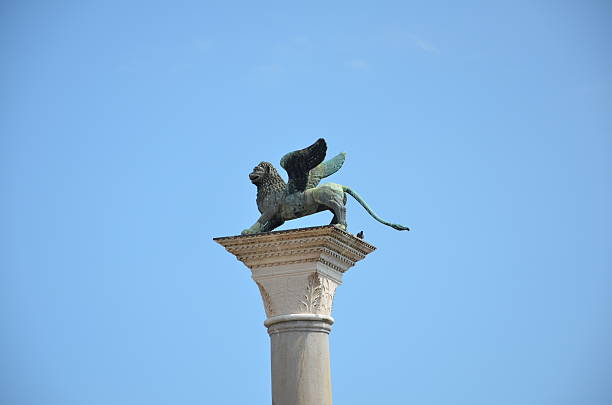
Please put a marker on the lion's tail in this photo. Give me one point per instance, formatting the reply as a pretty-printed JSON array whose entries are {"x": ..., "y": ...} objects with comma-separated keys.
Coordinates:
[{"x": 372, "y": 213}]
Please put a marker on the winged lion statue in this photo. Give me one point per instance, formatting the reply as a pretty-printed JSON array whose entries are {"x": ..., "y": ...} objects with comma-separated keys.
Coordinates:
[{"x": 278, "y": 201}]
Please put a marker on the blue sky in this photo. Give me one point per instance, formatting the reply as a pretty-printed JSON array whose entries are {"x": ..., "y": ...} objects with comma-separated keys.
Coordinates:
[{"x": 128, "y": 129}]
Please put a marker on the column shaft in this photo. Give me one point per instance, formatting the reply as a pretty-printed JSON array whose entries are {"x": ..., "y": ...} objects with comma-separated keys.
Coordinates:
[{"x": 300, "y": 363}]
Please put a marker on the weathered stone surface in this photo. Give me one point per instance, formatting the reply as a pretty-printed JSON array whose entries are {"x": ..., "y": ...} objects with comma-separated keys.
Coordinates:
[
  {"x": 300, "y": 363},
  {"x": 297, "y": 272}
]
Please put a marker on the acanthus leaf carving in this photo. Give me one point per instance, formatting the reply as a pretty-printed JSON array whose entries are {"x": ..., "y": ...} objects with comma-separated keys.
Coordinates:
[
  {"x": 319, "y": 295},
  {"x": 328, "y": 288},
  {"x": 267, "y": 301}
]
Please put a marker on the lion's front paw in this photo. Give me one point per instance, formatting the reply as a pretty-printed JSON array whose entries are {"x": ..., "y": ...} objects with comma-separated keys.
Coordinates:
[{"x": 246, "y": 232}]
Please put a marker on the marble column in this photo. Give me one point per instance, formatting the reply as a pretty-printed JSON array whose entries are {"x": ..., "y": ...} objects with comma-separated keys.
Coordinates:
[{"x": 297, "y": 272}]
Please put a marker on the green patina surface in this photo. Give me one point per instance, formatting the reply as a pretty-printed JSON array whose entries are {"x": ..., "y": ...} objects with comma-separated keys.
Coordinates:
[{"x": 278, "y": 201}]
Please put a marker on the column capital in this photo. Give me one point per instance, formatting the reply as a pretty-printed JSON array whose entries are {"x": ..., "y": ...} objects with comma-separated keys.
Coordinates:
[{"x": 297, "y": 271}]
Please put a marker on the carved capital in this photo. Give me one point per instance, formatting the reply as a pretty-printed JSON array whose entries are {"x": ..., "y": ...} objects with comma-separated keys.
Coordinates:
[{"x": 297, "y": 271}]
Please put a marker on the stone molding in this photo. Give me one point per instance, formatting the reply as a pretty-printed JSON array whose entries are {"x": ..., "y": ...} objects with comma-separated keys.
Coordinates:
[
  {"x": 324, "y": 244},
  {"x": 298, "y": 317},
  {"x": 309, "y": 325},
  {"x": 297, "y": 271}
]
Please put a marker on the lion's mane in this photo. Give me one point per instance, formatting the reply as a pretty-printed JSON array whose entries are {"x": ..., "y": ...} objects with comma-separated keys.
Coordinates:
[{"x": 271, "y": 188}]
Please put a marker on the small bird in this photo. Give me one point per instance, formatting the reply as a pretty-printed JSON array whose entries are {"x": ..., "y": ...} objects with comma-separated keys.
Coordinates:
[{"x": 360, "y": 235}]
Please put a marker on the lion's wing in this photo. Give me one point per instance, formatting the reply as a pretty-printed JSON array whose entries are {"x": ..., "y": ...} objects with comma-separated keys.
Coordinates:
[
  {"x": 325, "y": 169},
  {"x": 299, "y": 163}
]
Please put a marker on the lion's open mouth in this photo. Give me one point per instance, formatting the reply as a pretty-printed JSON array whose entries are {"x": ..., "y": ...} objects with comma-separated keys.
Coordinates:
[{"x": 254, "y": 177}]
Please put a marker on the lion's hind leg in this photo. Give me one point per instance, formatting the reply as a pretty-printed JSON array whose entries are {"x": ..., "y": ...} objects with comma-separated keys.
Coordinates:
[
  {"x": 339, "y": 218},
  {"x": 334, "y": 220},
  {"x": 332, "y": 197}
]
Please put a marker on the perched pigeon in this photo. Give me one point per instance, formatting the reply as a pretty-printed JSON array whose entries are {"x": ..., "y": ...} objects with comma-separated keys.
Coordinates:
[{"x": 360, "y": 235}]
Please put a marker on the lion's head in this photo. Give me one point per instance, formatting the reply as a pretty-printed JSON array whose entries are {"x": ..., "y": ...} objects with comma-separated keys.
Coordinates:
[
  {"x": 265, "y": 175},
  {"x": 270, "y": 185},
  {"x": 259, "y": 172}
]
